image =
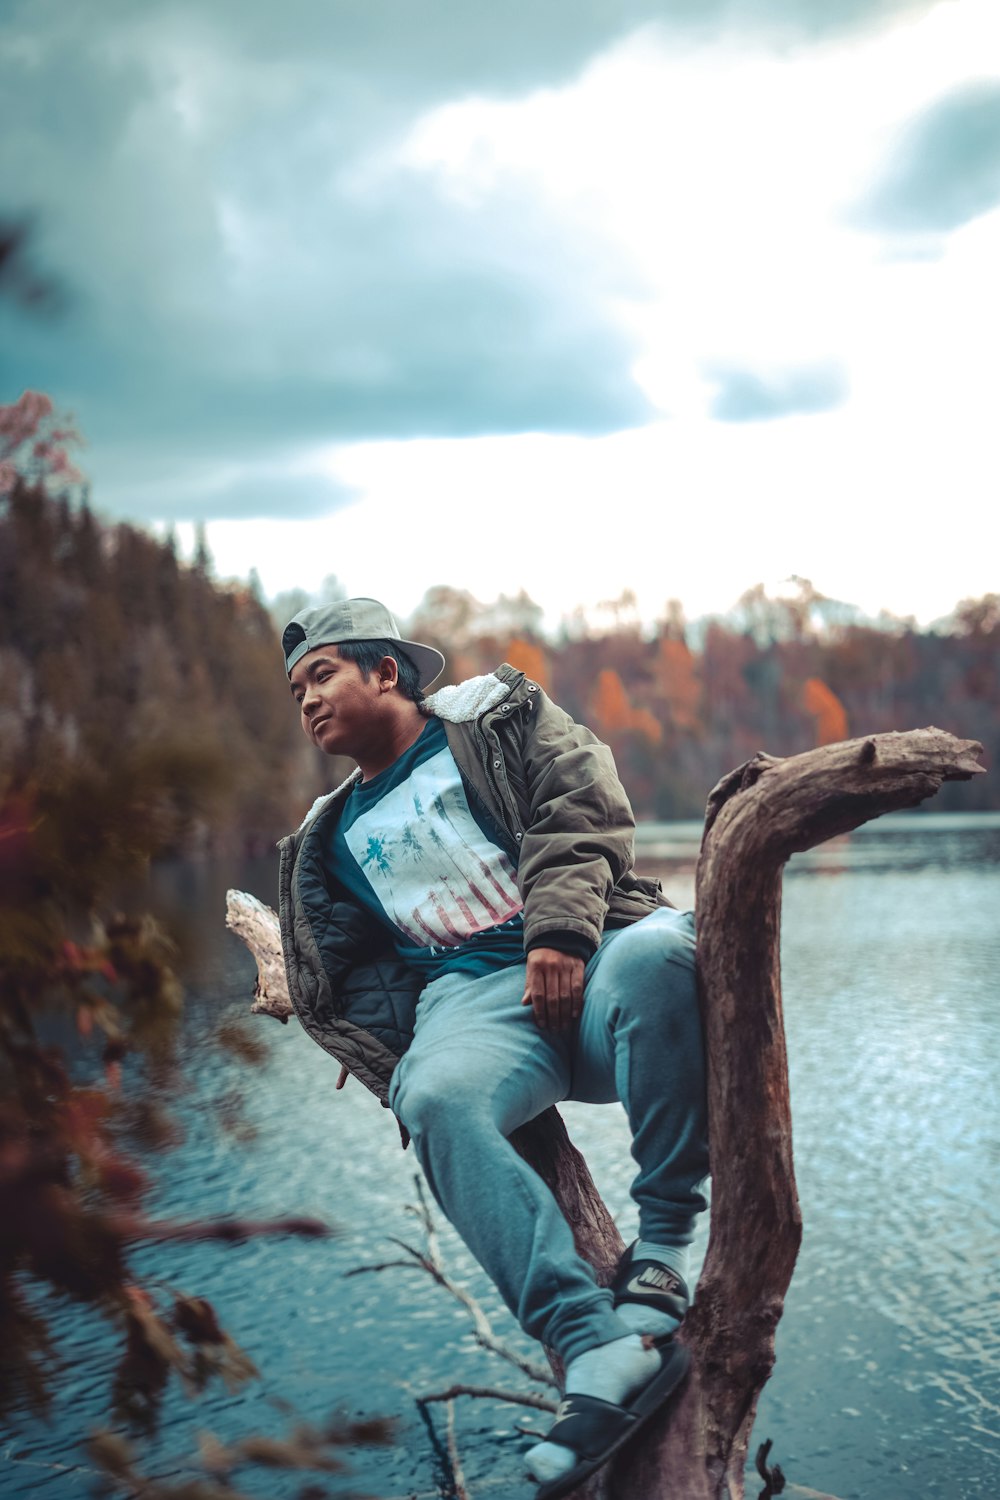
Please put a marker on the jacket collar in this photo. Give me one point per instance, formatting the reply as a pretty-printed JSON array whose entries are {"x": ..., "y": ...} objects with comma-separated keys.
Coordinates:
[{"x": 468, "y": 700}]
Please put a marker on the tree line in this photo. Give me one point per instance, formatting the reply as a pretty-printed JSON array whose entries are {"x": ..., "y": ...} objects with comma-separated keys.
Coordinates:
[
  {"x": 138, "y": 691},
  {"x": 132, "y": 679},
  {"x": 682, "y": 704}
]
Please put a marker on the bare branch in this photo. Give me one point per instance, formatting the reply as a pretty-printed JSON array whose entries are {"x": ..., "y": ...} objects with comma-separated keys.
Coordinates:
[
  {"x": 490, "y": 1393},
  {"x": 427, "y": 1219},
  {"x": 422, "y": 1260},
  {"x": 458, "y": 1477},
  {"x": 485, "y": 1335},
  {"x": 385, "y": 1265}
]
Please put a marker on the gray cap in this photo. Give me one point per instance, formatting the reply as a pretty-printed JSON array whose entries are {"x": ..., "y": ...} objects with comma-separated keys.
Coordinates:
[{"x": 354, "y": 620}]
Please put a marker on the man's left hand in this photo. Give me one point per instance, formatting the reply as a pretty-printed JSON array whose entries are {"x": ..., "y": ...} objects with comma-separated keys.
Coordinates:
[{"x": 554, "y": 987}]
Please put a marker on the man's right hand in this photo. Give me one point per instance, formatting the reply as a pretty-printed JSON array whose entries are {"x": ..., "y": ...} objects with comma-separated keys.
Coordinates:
[{"x": 554, "y": 988}]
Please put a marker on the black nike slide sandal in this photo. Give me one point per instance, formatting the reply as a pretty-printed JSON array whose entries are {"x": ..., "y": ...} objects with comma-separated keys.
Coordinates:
[
  {"x": 595, "y": 1430},
  {"x": 650, "y": 1284}
]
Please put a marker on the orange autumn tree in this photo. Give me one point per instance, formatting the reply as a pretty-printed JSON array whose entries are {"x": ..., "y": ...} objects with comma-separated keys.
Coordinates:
[
  {"x": 529, "y": 658},
  {"x": 827, "y": 710},
  {"x": 678, "y": 681},
  {"x": 613, "y": 712}
]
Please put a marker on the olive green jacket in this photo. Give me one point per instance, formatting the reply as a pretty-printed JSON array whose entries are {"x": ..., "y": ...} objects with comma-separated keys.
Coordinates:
[{"x": 551, "y": 788}]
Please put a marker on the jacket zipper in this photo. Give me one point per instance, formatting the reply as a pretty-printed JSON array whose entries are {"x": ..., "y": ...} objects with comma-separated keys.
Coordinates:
[{"x": 496, "y": 776}]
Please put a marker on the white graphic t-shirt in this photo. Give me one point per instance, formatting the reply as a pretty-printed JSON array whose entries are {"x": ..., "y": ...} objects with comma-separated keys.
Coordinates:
[{"x": 410, "y": 847}]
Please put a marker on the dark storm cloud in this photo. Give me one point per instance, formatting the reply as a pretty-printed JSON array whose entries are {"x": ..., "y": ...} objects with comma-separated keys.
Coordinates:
[
  {"x": 435, "y": 48},
  {"x": 250, "y": 266},
  {"x": 182, "y": 488},
  {"x": 945, "y": 169},
  {"x": 750, "y": 396},
  {"x": 242, "y": 273}
]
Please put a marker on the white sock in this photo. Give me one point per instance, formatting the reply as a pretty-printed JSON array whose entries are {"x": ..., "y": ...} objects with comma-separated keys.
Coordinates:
[
  {"x": 612, "y": 1372},
  {"x": 652, "y": 1319}
]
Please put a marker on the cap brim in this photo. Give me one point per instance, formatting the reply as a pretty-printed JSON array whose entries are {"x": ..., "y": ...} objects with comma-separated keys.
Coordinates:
[{"x": 428, "y": 661}]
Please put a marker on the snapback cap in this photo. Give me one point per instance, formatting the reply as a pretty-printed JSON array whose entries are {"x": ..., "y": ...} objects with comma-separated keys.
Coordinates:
[{"x": 354, "y": 620}]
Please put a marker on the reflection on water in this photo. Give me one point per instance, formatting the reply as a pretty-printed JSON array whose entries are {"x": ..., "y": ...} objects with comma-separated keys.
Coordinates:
[
  {"x": 901, "y": 841},
  {"x": 888, "y": 1376}
]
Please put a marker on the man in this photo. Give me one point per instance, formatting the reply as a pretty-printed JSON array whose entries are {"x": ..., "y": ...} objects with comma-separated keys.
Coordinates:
[{"x": 480, "y": 862}]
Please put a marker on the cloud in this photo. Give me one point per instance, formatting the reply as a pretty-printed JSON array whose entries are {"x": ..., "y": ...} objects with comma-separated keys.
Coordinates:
[
  {"x": 255, "y": 267},
  {"x": 420, "y": 54},
  {"x": 251, "y": 264},
  {"x": 203, "y": 491},
  {"x": 746, "y": 395},
  {"x": 945, "y": 170}
]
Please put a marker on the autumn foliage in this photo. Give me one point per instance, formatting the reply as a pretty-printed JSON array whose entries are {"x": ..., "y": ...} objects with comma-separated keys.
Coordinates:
[
  {"x": 137, "y": 693},
  {"x": 35, "y": 444},
  {"x": 682, "y": 703},
  {"x": 827, "y": 709},
  {"x": 131, "y": 679}
]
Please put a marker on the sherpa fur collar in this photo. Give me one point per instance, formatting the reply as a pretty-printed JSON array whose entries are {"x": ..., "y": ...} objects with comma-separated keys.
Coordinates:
[
  {"x": 466, "y": 700},
  {"x": 457, "y": 704}
]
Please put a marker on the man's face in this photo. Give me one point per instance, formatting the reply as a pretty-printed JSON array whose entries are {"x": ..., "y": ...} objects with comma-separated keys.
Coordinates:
[{"x": 340, "y": 710}]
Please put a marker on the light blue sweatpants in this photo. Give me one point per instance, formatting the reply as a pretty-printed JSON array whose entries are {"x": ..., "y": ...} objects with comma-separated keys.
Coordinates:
[{"x": 479, "y": 1066}]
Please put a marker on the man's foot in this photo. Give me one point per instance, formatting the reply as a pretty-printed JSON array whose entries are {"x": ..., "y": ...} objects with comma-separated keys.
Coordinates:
[
  {"x": 649, "y": 1289},
  {"x": 610, "y": 1372},
  {"x": 610, "y": 1392}
]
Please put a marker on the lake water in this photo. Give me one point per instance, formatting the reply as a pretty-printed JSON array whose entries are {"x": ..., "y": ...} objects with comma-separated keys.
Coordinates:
[{"x": 887, "y": 1381}]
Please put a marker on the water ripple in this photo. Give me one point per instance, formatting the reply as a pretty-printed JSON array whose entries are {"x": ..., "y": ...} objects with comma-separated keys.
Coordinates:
[{"x": 888, "y": 1375}]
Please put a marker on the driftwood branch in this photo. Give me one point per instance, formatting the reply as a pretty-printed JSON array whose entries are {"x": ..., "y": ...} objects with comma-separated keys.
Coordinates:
[
  {"x": 756, "y": 818},
  {"x": 257, "y": 926}
]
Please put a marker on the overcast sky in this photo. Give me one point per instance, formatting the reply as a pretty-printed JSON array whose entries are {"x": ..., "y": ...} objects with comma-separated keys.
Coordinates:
[{"x": 555, "y": 294}]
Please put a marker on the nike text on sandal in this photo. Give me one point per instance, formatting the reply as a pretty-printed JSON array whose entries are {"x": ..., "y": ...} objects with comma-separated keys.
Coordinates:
[
  {"x": 595, "y": 1429},
  {"x": 650, "y": 1284}
]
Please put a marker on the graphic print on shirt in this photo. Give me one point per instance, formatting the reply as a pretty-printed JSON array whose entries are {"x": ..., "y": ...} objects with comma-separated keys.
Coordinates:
[{"x": 436, "y": 874}]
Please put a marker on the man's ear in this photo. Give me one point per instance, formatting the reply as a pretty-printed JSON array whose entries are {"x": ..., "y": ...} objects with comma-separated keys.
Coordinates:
[{"x": 388, "y": 673}]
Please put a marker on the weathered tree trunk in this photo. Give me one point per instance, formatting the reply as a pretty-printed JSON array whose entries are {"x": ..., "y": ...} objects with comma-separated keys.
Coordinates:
[{"x": 756, "y": 818}]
